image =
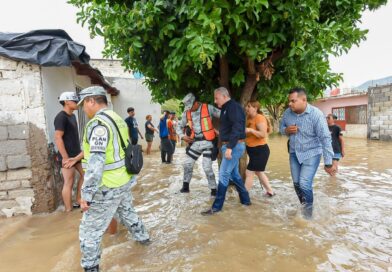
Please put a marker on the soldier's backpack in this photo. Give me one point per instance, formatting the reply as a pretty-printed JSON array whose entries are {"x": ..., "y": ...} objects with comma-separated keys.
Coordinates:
[{"x": 133, "y": 153}]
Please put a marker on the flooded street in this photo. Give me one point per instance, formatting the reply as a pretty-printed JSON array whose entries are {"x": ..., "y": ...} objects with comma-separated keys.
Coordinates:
[{"x": 351, "y": 230}]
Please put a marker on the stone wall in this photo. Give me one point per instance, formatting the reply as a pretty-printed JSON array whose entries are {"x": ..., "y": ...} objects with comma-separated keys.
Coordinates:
[
  {"x": 380, "y": 113},
  {"x": 26, "y": 175}
]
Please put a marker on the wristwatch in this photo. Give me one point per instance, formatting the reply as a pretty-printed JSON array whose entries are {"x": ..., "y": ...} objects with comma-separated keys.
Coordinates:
[{"x": 328, "y": 165}]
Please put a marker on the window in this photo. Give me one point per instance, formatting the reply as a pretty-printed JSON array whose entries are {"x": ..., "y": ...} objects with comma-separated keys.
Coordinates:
[
  {"x": 357, "y": 114},
  {"x": 340, "y": 113}
]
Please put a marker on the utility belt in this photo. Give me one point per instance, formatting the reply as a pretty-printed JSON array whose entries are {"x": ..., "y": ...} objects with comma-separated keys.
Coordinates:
[{"x": 239, "y": 141}]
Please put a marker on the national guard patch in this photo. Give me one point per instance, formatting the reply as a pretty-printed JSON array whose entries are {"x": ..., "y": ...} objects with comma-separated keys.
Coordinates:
[{"x": 99, "y": 139}]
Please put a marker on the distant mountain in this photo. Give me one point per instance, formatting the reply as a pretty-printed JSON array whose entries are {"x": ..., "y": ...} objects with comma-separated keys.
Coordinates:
[{"x": 372, "y": 83}]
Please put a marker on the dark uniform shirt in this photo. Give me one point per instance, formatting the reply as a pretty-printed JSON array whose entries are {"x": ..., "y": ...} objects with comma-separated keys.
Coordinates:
[{"x": 232, "y": 123}]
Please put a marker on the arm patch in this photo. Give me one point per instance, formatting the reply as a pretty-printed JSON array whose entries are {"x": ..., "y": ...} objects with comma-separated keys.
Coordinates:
[{"x": 99, "y": 139}]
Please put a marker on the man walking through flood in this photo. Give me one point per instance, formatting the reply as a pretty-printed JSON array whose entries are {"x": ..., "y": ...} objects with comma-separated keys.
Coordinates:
[
  {"x": 337, "y": 139},
  {"x": 309, "y": 139},
  {"x": 232, "y": 134},
  {"x": 106, "y": 191},
  {"x": 196, "y": 129}
]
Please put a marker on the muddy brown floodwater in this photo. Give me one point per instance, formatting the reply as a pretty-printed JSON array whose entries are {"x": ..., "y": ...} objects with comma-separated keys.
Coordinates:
[{"x": 351, "y": 230}]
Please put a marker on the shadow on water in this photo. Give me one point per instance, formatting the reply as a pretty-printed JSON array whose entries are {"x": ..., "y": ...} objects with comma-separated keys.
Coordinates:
[{"x": 351, "y": 229}]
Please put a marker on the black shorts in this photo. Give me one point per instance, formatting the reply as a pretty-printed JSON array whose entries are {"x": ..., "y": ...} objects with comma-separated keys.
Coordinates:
[{"x": 258, "y": 157}]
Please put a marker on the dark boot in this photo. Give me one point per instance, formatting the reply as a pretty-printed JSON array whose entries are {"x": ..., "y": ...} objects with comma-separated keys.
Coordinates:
[
  {"x": 92, "y": 269},
  {"x": 185, "y": 187},
  {"x": 213, "y": 192},
  {"x": 145, "y": 242}
]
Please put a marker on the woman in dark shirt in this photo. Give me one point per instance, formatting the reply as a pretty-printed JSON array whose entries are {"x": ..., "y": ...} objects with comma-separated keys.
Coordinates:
[{"x": 150, "y": 129}]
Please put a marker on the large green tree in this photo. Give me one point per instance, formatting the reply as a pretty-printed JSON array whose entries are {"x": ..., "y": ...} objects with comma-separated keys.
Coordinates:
[{"x": 255, "y": 48}]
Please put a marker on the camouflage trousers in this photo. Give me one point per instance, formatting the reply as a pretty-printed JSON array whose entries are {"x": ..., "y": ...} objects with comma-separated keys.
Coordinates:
[
  {"x": 197, "y": 149},
  {"x": 106, "y": 204}
]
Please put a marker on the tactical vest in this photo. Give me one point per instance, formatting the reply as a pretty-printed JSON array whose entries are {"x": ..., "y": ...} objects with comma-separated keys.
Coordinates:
[
  {"x": 115, "y": 173},
  {"x": 205, "y": 122}
]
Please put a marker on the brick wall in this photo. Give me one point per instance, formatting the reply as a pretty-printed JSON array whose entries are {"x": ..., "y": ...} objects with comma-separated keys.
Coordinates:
[
  {"x": 380, "y": 113},
  {"x": 26, "y": 174}
]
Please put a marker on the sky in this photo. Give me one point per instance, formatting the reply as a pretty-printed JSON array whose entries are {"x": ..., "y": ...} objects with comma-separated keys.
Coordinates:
[{"x": 371, "y": 60}]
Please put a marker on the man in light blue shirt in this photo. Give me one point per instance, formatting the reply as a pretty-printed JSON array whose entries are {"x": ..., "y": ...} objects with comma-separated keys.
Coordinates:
[{"x": 309, "y": 138}]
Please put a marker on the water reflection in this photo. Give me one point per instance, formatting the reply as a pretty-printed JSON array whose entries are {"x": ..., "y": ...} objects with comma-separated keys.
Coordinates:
[{"x": 351, "y": 230}]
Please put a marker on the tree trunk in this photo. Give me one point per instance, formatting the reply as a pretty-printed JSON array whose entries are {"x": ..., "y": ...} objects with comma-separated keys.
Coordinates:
[
  {"x": 276, "y": 113},
  {"x": 224, "y": 73}
]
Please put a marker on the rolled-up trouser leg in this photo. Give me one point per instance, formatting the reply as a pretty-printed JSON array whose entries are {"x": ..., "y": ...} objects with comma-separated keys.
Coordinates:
[
  {"x": 93, "y": 225},
  {"x": 129, "y": 217}
]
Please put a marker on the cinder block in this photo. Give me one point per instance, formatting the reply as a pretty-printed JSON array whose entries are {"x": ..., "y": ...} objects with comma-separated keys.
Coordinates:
[
  {"x": 9, "y": 185},
  {"x": 18, "y": 161},
  {"x": 21, "y": 193},
  {"x": 13, "y": 147},
  {"x": 8, "y": 204},
  {"x": 3, "y": 165},
  {"x": 11, "y": 86},
  {"x": 3, "y": 133},
  {"x": 19, "y": 174},
  {"x": 7, "y": 64},
  {"x": 18, "y": 132},
  {"x": 3, "y": 195}
]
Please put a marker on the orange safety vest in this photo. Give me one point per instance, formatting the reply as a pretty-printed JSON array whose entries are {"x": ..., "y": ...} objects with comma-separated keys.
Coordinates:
[{"x": 206, "y": 123}]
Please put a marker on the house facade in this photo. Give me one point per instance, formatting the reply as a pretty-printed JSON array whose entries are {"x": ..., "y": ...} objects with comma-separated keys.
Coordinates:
[
  {"x": 30, "y": 180},
  {"x": 351, "y": 110}
]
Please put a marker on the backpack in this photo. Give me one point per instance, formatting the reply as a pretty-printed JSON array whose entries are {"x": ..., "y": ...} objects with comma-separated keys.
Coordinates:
[{"x": 133, "y": 153}]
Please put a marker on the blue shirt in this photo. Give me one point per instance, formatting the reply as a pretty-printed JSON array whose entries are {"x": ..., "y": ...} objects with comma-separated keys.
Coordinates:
[
  {"x": 313, "y": 136},
  {"x": 163, "y": 131},
  {"x": 232, "y": 123},
  {"x": 132, "y": 126}
]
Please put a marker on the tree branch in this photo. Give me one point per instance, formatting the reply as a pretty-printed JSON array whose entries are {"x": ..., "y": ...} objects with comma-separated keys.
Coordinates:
[{"x": 266, "y": 67}]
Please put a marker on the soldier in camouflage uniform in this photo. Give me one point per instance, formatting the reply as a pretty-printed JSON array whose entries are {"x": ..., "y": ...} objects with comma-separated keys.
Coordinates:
[
  {"x": 106, "y": 192},
  {"x": 197, "y": 130}
]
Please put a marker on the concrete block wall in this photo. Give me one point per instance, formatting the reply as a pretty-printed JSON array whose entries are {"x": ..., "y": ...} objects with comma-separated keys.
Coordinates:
[
  {"x": 26, "y": 179},
  {"x": 380, "y": 113}
]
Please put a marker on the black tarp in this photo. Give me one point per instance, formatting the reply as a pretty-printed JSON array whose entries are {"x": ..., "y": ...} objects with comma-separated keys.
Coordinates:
[{"x": 52, "y": 47}]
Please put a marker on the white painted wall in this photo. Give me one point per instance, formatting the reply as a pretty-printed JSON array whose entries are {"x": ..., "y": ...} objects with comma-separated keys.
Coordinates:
[
  {"x": 133, "y": 93},
  {"x": 356, "y": 131}
]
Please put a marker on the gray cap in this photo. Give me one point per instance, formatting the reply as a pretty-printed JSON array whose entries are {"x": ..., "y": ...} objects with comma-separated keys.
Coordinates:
[
  {"x": 188, "y": 101},
  {"x": 91, "y": 91}
]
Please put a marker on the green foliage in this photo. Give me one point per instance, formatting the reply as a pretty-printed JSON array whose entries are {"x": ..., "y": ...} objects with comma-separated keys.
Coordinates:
[
  {"x": 177, "y": 44},
  {"x": 173, "y": 105}
]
